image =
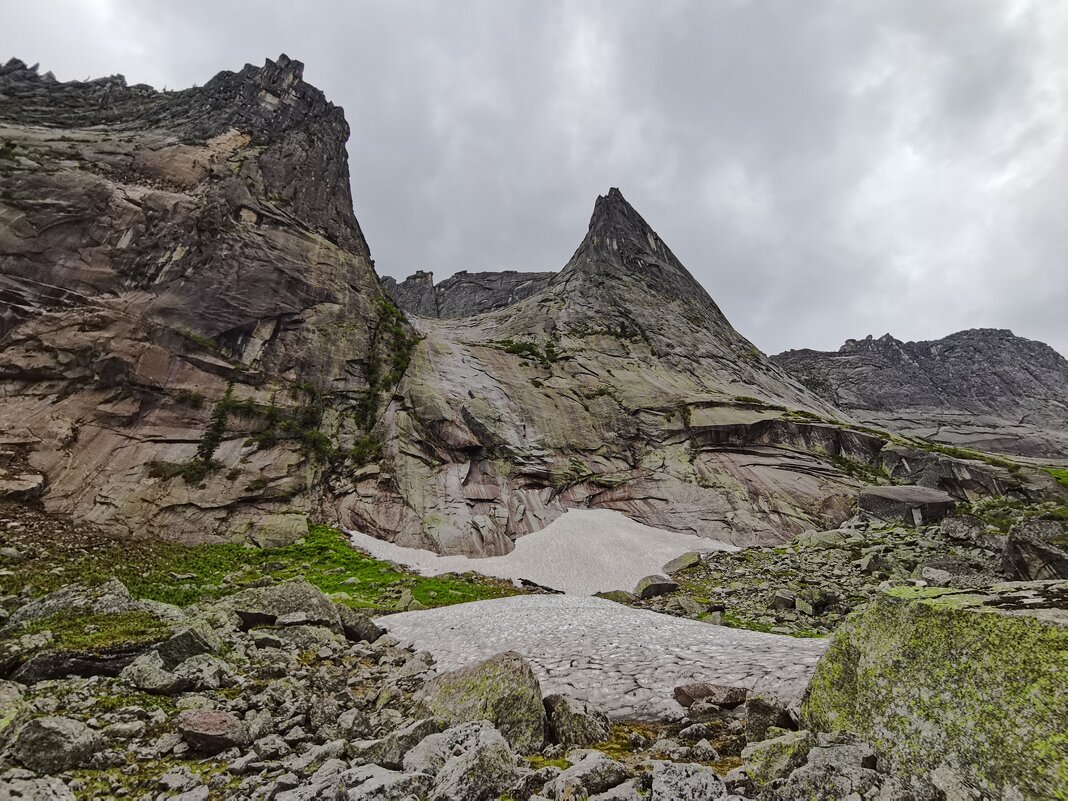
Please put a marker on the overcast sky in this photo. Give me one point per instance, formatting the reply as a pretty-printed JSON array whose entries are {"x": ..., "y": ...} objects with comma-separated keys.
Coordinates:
[{"x": 826, "y": 169}]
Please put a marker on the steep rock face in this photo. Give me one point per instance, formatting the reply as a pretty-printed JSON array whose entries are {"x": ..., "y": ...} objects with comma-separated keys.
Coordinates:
[
  {"x": 463, "y": 294},
  {"x": 983, "y": 388},
  {"x": 157, "y": 247},
  {"x": 620, "y": 385}
]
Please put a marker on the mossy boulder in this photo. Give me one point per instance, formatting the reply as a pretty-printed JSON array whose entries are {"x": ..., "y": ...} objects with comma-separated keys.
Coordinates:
[
  {"x": 502, "y": 690},
  {"x": 964, "y": 684}
]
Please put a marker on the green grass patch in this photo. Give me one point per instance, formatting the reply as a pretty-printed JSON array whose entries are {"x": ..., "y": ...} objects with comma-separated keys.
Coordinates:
[
  {"x": 182, "y": 575},
  {"x": 100, "y": 633},
  {"x": 1061, "y": 474}
]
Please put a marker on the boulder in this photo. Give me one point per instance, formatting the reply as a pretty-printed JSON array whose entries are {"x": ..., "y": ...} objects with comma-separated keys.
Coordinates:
[
  {"x": 211, "y": 731},
  {"x": 773, "y": 759},
  {"x": 147, "y": 673},
  {"x": 822, "y": 540},
  {"x": 721, "y": 695},
  {"x": 763, "y": 712},
  {"x": 109, "y": 598},
  {"x": 688, "y": 559},
  {"x": 915, "y": 506},
  {"x": 278, "y": 530},
  {"x": 502, "y": 690},
  {"x": 183, "y": 644},
  {"x": 54, "y": 745},
  {"x": 651, "y": 586},
  {"x": 389, "y": 751},
  {"x": 295, "y": 601},
  {"x": 574, "y": 723},
  {"x": 968, "y": 681},
  {"x": 357, "y": 626},
  {"x": 593, "y": 773},
  {"x": 1036, "y": 550},
  {"x": 680, "y": 781},
  {"x": 25, "y": 786},
  {"x": 375, "y": 783},
  {"x": 619, "y": 596}
]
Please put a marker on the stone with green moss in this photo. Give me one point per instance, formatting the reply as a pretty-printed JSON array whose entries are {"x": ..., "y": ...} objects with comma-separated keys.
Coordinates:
[
  {"x": 962, "y": 683},
  {"x": 773, "y": 759},
  {"x": 502, "y": 690}
]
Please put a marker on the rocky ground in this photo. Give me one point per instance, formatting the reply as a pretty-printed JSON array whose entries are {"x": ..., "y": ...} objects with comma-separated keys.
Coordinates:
[{"x": 807, "y": 588}]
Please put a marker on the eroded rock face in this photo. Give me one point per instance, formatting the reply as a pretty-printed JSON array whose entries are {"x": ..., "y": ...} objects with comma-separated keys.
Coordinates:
[
  {"x": 975, "y": 678},
  {"x": 620, "y": 385},
  {"x": 983, "y": 388},
  {"x": 463, "y": 294},
  {"x": 154, "y": 248}
]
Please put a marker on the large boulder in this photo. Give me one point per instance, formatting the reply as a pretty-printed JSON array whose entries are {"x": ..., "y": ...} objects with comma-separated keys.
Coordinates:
[
  {"x": 1036, "y": 550},
  {"x": 293, "y": 602},
  {"x": 915, "y": 506},
  {"x": 211, "y": 732},
  {"x": 592, "y": 773},
  {"x": 574, "y": 723},
  {"x": 964, "y": 684},
  {"x": 502, "y": 690},
  {"x": 681, "y": 781},
  {"x": 55, "y": 744}
]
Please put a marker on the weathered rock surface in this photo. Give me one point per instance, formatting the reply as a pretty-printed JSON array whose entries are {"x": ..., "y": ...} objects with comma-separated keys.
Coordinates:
[
  {"x": 502, "y": 690},
  {"x": 156, "y": 248},
  {"x": 983, "y": 388},
  {"x": 962, "y": 684},
  {"x": 172, "y": 313},
  {"x": 463, "y": 294},
  {"x": 54, "y": 744},
  {"x": 574, "y": 723}
]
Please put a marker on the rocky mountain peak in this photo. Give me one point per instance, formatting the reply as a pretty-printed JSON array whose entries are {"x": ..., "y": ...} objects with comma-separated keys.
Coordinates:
[{"x": 620, "y": 244}]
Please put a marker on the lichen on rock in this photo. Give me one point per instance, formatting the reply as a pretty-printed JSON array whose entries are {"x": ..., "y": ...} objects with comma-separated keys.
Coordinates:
[{"x": 969, "y": 683}]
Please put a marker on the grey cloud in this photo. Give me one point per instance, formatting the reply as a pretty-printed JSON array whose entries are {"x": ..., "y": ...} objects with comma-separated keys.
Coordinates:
[{"x": 826, "y": 169}]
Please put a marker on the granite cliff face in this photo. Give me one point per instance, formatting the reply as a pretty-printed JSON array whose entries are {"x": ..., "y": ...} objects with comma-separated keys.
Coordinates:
[
  {"x": 156, "y": 248},
  {"x": 463, "y": 294},
  {"x": 983, "y": 388},
  {"x": 620, "y": 385},
  {"x": 194, "y": 344}
]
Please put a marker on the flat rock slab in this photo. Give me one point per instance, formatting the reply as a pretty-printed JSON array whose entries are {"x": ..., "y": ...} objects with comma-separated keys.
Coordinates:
[{"x": 626, "y": 661}]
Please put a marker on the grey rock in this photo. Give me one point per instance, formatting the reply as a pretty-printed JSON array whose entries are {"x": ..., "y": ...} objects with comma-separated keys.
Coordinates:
[
  {"x": 689, "y": 559},
  {"x": 211, "y": 731},
  {"x": 763, "y": 712},
  {"x": 721, "y": 695},
  {"x": 673, "y": 781},
  {"x": 357, "y": 626},
  {"x": 479, "y": 773},
  {"x": 911, "y": 505},
  {"x": 981, "y": 388},
  {"x": 148, "y": 674},
  {"x": 22, "y": 785},
  {"x": 206, "y": 672},
  {"x": 1036, "y": 549},
  {"x": 575, "y": 723},
  {"x": 183, "y": 644},
  {"x": 263, "y": 606},
  {"x": 389, "y": 751},
  {"x": 593, "y": 773},
  {"x": 54, "y": 744},
  {"x": 651, "y": 586},
  {"x": 502, "y": 690},
  {"x": 463, "y": 294},
  {"x": 375, "y": 783}
]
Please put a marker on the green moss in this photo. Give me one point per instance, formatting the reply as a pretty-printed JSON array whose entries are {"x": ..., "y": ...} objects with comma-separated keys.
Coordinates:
[
  {"x": 537, "y": 762},
  {"x": 927, "y": 679},
  {"x": 98, "y": 632},
  {"x": 1060, "y": 474},
  {"x": 182, "y": 575}
]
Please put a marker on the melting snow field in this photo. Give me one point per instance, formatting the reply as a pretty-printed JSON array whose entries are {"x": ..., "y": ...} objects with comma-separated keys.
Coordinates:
[{"x": 581, "y": 552}]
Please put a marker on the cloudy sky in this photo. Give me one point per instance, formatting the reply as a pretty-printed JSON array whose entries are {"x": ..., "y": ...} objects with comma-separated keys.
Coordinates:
[{"x": 827, "y": 169}]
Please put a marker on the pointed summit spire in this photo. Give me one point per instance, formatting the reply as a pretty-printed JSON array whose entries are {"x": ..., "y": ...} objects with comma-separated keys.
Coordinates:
[{"x": 621, "y": 245}]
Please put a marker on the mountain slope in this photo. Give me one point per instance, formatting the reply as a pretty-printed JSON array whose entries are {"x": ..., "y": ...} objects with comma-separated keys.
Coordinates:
[
  {"x": 621, "y": 385},
  {"x": 983, "y": 388}
]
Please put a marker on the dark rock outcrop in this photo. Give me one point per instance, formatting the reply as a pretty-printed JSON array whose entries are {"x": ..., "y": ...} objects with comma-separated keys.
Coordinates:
[
  {"x": 158, "y": 248},
  {"x": 983, "y": 388},
  {"x": 463, "y": 294}
]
